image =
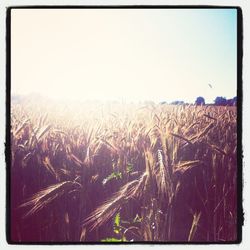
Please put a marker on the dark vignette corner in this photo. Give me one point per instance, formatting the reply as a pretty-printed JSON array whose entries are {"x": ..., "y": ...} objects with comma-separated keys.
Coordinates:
[
  {"x": 7, "y": 129},
  {"x": 240, "y": 213}
]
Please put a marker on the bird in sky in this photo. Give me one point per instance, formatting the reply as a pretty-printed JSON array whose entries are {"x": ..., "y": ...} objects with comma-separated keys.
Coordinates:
[{"x": 210, "y": 85}]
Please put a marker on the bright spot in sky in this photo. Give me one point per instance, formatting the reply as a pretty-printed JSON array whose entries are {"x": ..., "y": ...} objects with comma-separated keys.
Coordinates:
[{"x": 124, "y": 54}]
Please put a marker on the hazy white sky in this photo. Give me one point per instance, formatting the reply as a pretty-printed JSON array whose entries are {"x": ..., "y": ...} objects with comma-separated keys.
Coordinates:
[{"x": 124, "y": 54}]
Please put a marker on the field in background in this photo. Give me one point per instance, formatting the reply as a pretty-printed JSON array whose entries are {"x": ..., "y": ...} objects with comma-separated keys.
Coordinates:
[{"x": 113, "y": 172}]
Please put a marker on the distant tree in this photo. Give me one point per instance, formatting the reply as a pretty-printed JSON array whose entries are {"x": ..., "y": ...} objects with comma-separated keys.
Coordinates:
[
  {"x": 16, "y": 98},
  {"x": 200, "y": 101},
  {"x": 149, "y": 103},
  {"x": 235, "y": 101},
  {"x": 177, "y": 103},
  {"x": 163, "y": 102},
  {"x": 220, "y": 101},
  {"x": 232, "y": 102}
]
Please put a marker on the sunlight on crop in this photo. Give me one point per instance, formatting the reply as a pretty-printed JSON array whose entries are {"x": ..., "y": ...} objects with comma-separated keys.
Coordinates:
[{"x": 131, "y": 172}]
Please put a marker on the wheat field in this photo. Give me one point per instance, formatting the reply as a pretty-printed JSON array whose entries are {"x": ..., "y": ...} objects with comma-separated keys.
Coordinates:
[{"x": 94, "y": 172}]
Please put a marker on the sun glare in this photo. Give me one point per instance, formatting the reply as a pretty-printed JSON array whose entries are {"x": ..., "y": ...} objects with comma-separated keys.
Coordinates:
[
  {"x": 118, "y": 137},
  {"x": 128, "y": 55}
]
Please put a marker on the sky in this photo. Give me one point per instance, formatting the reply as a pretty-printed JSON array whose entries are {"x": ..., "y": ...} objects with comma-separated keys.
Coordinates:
[{"x": 124, "y": 54}]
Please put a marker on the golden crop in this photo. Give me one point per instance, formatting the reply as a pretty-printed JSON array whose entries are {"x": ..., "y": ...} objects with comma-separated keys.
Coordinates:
[{"x": 113, "y": 172}]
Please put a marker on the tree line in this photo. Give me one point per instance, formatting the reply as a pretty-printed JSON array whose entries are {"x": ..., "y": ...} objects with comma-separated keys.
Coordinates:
[{"x": 219, "y": 101}]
